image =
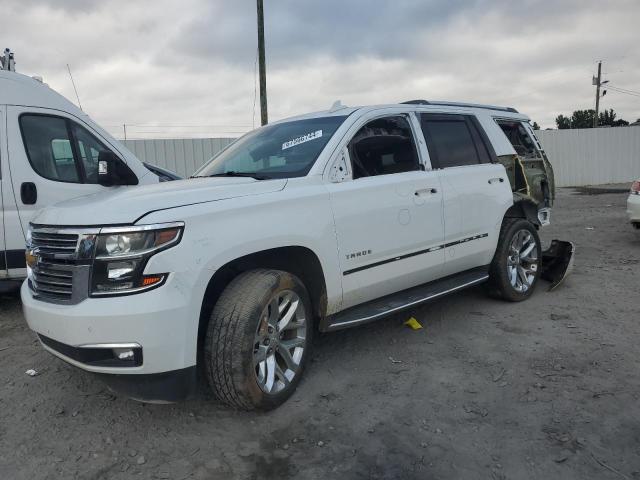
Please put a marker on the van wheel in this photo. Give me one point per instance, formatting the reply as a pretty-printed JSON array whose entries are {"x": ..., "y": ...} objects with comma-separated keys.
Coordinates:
[
  {"x": 258, "y": 340},
  {"x": 515, "y": 268}
]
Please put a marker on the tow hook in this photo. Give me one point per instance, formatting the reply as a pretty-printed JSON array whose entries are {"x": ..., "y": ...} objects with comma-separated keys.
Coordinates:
[{"x": 557, "y": 262}]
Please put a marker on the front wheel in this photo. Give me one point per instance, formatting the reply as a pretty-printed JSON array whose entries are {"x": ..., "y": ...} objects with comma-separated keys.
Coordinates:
[
  {"x": 258, "y": 339},
  {"x": 515, "y": 268}
]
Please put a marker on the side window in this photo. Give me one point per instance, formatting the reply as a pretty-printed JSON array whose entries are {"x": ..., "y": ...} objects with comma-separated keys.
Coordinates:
[
  {"x": 89, "y": 148},
  {"x": 383, "y": 146},
  {"x": 453, "y": 140},
  {"x": 522, "y": 143},
  {"x": 48, "y": 146},
  {"x": 61, "y": 150}
]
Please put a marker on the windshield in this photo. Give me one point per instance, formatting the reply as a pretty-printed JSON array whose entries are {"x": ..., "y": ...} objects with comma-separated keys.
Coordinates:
[{"x": 282, "y": 150}]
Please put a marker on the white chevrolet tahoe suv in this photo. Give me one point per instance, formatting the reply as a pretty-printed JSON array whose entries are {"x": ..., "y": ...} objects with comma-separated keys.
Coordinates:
[{"x": 319, "y": 222}]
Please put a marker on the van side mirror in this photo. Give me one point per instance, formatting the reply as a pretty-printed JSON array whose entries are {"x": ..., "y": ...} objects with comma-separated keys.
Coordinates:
[{"x": 113, "y": 171}]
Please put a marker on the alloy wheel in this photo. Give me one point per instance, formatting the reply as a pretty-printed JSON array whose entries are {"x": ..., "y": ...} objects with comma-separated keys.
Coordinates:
[
  {"x": 280, "y": 342},
  {"x": 522, "y": 261}
]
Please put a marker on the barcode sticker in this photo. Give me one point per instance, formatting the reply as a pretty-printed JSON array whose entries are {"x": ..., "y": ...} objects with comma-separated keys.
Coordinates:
[{"x": 304, "y": 138}]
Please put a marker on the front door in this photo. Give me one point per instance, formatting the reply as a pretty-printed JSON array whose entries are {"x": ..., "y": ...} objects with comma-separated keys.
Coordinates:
[
  {"x": 52, "y": 158},
  {"x": 388, "y": 213},
  {"x": 3, "y": 174}
]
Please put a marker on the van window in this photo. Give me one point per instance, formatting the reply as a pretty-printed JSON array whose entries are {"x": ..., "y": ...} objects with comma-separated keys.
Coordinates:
[
  {"x": 48, "y": 146},
  {"x": 59, "y": 149},
  {"x": 453, "y": 140},
  {"x": 89, "y": 148},
  {"x": 383, "y": 146}
]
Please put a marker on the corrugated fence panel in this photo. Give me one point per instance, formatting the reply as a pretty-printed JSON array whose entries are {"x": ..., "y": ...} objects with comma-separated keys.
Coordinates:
[
  {"x": 593, "y": 156},
  {"x": 183, "y": 156},
  {"x": 579, "y": 157}
]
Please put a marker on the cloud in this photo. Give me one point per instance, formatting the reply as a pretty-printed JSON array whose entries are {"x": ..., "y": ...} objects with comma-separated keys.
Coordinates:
[{"x": 191, "y": 63}]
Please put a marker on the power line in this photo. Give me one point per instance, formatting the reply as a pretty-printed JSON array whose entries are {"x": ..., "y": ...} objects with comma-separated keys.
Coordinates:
[
  {"x": 624, "y": 89},
  {"x": 614, "y": 89}
]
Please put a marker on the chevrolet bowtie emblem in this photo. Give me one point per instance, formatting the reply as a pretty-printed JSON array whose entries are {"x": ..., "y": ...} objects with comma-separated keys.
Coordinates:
[{"x": 31, "y": 257}]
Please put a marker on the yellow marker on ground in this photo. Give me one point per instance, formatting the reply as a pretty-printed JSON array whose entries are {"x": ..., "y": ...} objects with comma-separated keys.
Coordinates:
[{"x": 413, "y": 323}]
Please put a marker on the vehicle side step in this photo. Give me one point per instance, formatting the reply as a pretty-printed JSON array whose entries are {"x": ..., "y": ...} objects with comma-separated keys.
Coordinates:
[{"x": 381, "y": 307}]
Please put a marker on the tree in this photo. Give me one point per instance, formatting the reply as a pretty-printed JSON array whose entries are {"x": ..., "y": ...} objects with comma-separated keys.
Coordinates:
[
  {"x": 608, "y": 118},
  {"x": 583, "y": 118},
  {"x": 536, "y": 126},
  {"x": 563, "y": 123}
]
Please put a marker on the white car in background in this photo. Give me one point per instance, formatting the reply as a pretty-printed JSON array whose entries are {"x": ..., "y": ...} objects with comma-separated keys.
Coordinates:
[{"x": 633, "y": 204}]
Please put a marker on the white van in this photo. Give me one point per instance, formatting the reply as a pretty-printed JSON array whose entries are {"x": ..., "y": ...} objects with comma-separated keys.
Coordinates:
[{"x": 49, "y": 152}]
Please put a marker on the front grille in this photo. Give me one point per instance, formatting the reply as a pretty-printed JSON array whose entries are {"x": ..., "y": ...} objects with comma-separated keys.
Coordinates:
[
  {"x": 52, "y": 280},
  {"x": 54, "y": 243},
  {"x": 60, "y": 260}
]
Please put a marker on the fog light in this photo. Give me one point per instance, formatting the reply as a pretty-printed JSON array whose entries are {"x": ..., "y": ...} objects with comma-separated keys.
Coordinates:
[{"x": 124, "y": 353}]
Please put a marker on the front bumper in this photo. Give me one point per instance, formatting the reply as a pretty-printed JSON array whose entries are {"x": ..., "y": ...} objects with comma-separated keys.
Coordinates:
[
  {"x": 157, "y": 321},
  {"x": 633, "y": 208}
]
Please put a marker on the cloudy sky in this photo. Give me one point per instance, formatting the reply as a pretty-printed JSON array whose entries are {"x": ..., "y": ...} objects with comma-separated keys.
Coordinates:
[{"x": 188, "y": 66}]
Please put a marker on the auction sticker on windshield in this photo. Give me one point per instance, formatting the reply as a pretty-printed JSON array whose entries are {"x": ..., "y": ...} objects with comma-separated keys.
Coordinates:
[{"x": 304, "y": 138}]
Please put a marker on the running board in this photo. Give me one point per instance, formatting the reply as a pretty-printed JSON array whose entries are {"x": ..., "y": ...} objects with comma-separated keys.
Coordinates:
[{"x": 412, "y": 297}]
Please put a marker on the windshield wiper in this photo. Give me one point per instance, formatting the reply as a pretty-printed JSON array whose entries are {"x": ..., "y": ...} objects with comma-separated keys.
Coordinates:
[{"x": 231, "y": 173}]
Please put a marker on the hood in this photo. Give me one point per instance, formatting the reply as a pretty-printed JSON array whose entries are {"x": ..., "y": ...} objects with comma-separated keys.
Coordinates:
[{"x": 125, "y": 205}]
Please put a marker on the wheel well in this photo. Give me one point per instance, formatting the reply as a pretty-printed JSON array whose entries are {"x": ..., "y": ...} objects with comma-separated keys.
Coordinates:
[
  {"x": 524, "y": 208},
  {"x": 300, "y": 261}
]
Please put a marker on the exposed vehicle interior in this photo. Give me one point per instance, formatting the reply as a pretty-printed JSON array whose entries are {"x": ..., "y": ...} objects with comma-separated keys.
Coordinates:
[
  {"x": 517, "y": 135},
  {"x": 383, "y": 146}
]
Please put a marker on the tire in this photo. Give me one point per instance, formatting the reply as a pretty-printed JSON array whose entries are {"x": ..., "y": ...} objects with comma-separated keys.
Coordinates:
[
  {"x": 512, "y": 275},
  {"x": 245, "y": 351}
]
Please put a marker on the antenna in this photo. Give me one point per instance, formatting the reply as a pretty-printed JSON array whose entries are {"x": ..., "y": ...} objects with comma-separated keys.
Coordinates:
[{"x": 74, "y": 86}]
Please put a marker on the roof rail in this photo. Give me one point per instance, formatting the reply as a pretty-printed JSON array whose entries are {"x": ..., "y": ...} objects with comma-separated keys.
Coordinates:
[{"x": 461, "y": 104}]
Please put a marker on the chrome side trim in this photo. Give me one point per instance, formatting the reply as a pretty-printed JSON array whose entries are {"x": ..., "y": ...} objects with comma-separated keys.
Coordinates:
[
  {"x": 408, "y": 305},
  {"x": 141, "y": 228},
  {"x": 110, "y": 345}
]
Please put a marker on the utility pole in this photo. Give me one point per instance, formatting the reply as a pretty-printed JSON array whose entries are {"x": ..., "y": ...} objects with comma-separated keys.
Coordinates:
[
  {"x": 597, "y": 83},
  {"x": 124, "y": 127},
  {"x": 263, "y": 70}
]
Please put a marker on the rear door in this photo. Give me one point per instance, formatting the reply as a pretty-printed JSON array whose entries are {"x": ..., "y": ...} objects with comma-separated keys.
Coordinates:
[
  {"x": 52, "y": 158},
  {"x": 476, "y": 192},
  {"x": 388, "y": 212}
]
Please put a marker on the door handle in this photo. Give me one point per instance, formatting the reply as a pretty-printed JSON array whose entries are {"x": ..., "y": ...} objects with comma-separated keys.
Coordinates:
[
  {"x": 28, "y": 193},
  {"x": 426, "y": 191},
  {"x": 496, "y": 180}
]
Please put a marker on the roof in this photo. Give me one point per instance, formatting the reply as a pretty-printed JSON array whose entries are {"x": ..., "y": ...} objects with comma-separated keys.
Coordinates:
[
  {"x": 417, "y": 105},
  {"x": 18, "y": 89}
]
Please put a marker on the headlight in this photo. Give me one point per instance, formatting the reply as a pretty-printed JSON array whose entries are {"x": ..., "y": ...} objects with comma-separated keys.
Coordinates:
[{"x": 122, "y": 254}]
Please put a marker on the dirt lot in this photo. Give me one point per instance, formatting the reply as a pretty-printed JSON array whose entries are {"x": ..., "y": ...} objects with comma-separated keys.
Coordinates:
[{"x": 547, "y": 389}]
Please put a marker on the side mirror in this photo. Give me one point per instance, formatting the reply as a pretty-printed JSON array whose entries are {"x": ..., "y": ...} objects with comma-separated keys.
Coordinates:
[{"x": 113, "y": 171}]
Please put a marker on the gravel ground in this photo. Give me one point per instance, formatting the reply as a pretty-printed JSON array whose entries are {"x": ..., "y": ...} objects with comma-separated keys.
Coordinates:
[{"x": 548, "y": 388}]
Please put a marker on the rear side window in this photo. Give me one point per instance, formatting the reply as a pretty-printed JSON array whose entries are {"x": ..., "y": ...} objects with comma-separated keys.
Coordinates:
[
  {"x": 517, "y": 134},
  {"x": 453, "y": 140},
  {"x": 48, "y": 145},
  {"x": 383, "y": 146},
  {"x": 59, "y": 149}
]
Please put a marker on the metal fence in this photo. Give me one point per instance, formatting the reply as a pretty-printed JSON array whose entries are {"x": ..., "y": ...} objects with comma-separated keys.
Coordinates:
[
  {"x": 183, "y": 156},
  {"x": 593, "y": 156}
]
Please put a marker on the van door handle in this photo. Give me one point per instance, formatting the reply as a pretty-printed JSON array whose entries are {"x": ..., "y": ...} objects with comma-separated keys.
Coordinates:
[
  {"x": 28, "y": 193},
  {"x": 496, "y": 180},
  {"x": 426, "y": 191}
]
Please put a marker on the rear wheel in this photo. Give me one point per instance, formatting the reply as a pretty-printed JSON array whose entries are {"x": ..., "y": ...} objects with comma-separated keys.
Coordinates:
[
  {"x": 258, "y": 339},
  {"x": 515, "y": 268}
]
